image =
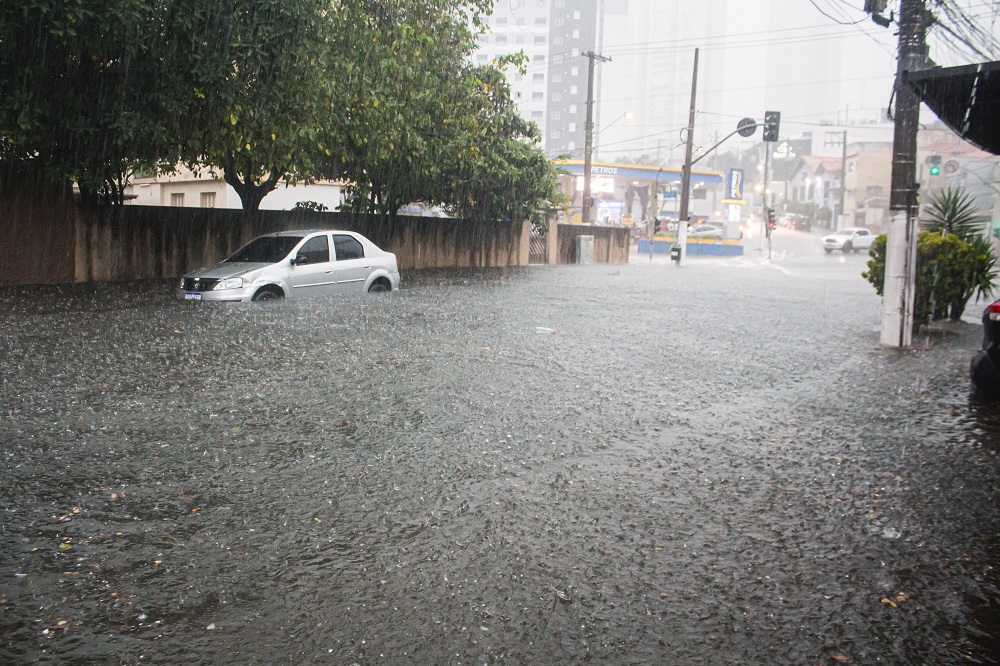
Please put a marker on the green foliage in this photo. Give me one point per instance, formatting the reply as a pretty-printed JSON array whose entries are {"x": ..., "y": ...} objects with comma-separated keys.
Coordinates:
[
  {"x": 310, "y": 205},
  {"x": 949, "y": 270},
  {"x": 88, "y": 88},
  {"x": 378, "y": 92},
  {"x": 952, "y": 211}
]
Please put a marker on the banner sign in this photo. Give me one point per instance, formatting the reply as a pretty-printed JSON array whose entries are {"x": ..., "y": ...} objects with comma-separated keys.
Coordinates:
[{"x": 734, "y": 186}]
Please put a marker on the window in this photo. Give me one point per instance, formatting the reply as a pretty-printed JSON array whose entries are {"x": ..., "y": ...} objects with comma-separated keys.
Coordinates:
[
  {"x": 572, "y": 108},
  {"x": 555, "y": 40},
  {"x": 556, "y": 115},
  {"x": 537, "y": 114},
  {"x": 177, "y": 200},
  {"x": 537, "y": 96},
  {"x": 208, "y": 199},
  {"x": 873, "y": 190},
  {"x": 540, "y": 20},
  {"x": 556, "y": 97},
  {"x": 576, "y": 34},
  {"x": 574, "y": 71},
  {"x": 554, "y": 134},
  {"x": 539, "y": 39},
  {"x": 571, "y": 145},
  {"x": 481, "y": 57},
  {"x": 573, "y": 90},
  {"x": 557, "y": 78},
  {"x": 539, "y": 58},
  {"x": 347, "y": 247},
  {"x": 501, "y": 20},
  {"x": 501, "y": 39},
  {"x": 576, "y": 15},
  {"x": 571, "y": 127},
  {"x": 316, "y": 250},
  {"x": 538, "y": 78}
]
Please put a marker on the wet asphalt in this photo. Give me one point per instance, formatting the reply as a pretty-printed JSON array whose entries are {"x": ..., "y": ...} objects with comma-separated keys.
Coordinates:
[{"x": 636, "y": 464}]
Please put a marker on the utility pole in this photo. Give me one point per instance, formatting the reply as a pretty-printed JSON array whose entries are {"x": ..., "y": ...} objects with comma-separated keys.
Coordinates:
[
  {"x": 588, "y": 201},
  {"x": 685, "y": 193},
  {"x": 843, "y": 181},
  {"x": 901, "y": 247},
  {"x": 599, "y": 73}
]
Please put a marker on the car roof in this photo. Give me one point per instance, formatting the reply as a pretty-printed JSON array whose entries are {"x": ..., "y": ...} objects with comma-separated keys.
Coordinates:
[{"x": 306, "y": 232}]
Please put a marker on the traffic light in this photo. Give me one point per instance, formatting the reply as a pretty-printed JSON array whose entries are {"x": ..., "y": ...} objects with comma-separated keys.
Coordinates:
[
  {"x": 771, "y": 218},
  {"x": 771, "y": 121},
  {"x": 935, "y": 161}
]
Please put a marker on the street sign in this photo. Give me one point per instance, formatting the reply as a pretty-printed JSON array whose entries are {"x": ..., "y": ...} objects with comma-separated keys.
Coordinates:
[
  {"x": 669, "y": 195},
  {"x": 951, "y": 166},
  {"x": 746, "y": 127}
]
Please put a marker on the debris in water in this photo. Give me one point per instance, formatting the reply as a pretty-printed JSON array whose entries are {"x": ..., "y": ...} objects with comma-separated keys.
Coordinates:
[{"x": 543, "y": 329}]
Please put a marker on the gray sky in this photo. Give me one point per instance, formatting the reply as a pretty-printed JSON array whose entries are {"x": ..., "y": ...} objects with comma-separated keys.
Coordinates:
[{"x": 817, "y": 61}]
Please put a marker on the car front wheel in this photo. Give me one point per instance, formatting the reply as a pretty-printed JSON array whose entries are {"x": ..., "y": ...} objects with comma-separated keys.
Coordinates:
[
  {"x": 267, "y": 294},
  {"x": 379, "y": 287},
  {"x": 828, "y": 250},
  {"x": 847, "y": 247}
]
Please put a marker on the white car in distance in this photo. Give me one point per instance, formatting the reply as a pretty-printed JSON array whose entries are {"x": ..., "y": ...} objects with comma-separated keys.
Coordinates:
[{"x": 849, "y": 239}]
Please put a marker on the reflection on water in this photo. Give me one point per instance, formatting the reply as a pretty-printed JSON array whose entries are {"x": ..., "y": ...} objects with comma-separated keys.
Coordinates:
[{"x": 697, "y": 466}]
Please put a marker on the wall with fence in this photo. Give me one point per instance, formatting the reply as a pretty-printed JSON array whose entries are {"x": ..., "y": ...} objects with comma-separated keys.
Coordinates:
[{"x": 611, "y": 244}]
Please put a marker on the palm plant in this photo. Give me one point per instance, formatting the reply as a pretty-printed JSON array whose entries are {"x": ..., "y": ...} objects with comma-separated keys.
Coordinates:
[{"x": 952, "y": 211}]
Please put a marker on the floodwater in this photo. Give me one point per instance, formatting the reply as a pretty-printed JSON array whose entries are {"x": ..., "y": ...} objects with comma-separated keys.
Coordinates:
[{"x": 714, "y": 464}]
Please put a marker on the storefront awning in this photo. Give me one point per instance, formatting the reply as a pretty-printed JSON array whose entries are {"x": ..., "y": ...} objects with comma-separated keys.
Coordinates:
[{"x": 966, "y": 99}]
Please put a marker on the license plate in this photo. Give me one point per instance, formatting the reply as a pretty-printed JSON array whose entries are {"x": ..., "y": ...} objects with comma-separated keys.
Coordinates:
[{"x": 192, "y": 296}]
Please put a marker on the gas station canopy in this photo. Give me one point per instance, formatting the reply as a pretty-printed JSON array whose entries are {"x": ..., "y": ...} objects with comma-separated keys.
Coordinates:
[{"x": 636, "y": 172}]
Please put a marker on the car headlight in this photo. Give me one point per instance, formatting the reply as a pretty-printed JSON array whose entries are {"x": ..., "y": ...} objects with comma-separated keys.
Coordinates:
[
  {"x": 230, "y": 283},
  {"x": 181, "y": 285}
]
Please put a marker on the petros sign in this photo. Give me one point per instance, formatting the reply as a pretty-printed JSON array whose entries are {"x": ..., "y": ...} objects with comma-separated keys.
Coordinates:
[{"x": 734, "y": 187}]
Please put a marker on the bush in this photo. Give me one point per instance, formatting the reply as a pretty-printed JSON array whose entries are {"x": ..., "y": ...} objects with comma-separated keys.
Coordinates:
[{"x": 949, "y": 271}]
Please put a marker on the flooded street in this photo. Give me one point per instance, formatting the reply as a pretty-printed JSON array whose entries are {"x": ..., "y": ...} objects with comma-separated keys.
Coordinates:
[{"x": 638, "y": 464}]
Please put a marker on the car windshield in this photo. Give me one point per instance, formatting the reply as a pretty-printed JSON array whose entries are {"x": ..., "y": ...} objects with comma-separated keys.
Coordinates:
[{"x": 266, "y": 249}]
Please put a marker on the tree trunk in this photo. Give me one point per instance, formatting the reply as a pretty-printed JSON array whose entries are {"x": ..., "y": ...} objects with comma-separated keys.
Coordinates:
[{"x": 251, "y": 194}]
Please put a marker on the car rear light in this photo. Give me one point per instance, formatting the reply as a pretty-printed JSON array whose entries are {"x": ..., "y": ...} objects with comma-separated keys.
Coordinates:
[{"x": 993, "y": 311}]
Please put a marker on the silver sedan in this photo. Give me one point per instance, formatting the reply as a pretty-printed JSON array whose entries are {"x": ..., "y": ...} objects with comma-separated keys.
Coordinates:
[{"x": 295, "y": 263}]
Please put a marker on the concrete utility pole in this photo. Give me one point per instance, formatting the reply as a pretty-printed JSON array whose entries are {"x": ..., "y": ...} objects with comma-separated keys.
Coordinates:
[
  {"x": 901, "y": 247},
  {"x": 588, "y": 202},
  {"x": 843, "y": 181},
  {"x": 685, "y": 194}
]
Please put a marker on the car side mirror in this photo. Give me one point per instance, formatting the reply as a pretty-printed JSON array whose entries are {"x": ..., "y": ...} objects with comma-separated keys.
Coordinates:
[{"x": 299, "y": 259}]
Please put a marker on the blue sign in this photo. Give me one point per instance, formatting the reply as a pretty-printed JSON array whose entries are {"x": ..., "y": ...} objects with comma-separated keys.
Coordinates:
[
  {"x": 669, "y": 195},
  {"x": 734, "y": 185}
]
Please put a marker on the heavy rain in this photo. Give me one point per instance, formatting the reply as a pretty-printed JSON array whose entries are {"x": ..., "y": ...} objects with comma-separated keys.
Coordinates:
[
  {"x": 596, "y": 419},
  {"x": 607, "y": 464}
]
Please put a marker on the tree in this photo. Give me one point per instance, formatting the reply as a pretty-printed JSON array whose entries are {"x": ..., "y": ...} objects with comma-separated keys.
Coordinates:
[
  {"x": 408, "y": 113},
  {"x": 260, "y": 74},
  {"x": 507, "y": 175},
  {"x": 88, "y": 88}
]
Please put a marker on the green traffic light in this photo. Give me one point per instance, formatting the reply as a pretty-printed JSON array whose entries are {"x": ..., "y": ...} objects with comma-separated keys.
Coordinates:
[{"x": 935, "y": 170}]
